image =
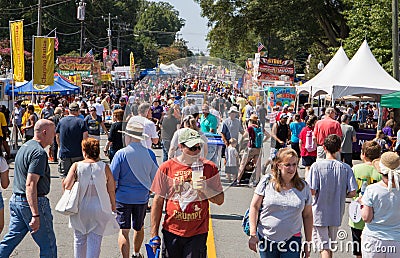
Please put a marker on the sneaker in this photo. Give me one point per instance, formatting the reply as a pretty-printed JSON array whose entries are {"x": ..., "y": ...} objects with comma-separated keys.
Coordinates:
[
  {"x": 137, "y": 256},
  {"x": 234, "y": 183}
]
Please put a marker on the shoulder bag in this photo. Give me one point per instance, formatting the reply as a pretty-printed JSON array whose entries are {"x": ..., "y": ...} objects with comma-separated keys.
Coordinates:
[
  {"x": 246, "y": 220},
  {"x": 69, "y": 202}
]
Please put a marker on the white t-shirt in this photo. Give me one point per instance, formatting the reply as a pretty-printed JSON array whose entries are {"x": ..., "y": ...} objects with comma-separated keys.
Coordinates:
[
  {"x": 231, "y": 154},
  {"x": 149, "y": 129},
  {"x": 99, "y": 109},
  {"x": 3, "y": 166}
]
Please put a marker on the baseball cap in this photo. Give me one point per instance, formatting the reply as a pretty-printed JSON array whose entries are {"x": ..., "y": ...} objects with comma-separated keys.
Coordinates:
[
  {"x": 190, "y": 137},
  {"x": 48, "y": 103},
  {"x": 284, "y": 116},
  {"x": 98, "y": 99},
  {"x": 74, "y": 106}
]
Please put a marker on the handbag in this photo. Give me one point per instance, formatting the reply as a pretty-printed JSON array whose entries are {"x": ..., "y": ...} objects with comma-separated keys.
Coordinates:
[
  {"x": 68, "y": 204},
  {"x": 246, "y": 221},
  {"x": 250, "y": 166}
]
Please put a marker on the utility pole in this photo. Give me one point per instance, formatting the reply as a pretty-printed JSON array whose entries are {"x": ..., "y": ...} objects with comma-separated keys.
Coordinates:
[
  {"x": 39, "y": 17},
  {"x": 109, "y": 34},
  {"x": 395, "y": 38},
  {"x": 80, "y": 14}
]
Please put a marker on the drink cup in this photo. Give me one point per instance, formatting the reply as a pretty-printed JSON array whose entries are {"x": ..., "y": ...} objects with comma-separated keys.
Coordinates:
[{"x": 197, "y": 174}]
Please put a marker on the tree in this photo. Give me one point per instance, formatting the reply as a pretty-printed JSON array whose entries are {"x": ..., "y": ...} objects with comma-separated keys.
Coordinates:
[
  {"x": 370, "y": 20},
  {"x": 287, "y": 28}
]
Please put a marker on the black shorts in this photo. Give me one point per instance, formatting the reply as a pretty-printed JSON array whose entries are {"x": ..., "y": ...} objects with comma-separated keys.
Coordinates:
[
  {"x": 131, "y": 215},
  {"x": 175, "y": 246},
  {"x": 307, "y": 161},
  {"x": 356, "y": 234}
]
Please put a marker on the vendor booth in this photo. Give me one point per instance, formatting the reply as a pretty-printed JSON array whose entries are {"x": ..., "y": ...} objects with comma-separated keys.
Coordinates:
[{"x": 60, "y": 87}]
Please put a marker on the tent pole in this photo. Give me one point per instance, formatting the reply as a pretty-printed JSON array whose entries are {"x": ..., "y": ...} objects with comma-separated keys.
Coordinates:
[
  {"x": 380, "y": 118},
  {"x": 14, "y": 145}
]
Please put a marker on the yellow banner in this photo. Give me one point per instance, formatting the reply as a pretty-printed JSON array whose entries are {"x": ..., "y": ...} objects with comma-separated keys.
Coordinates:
[
  {"x": 132, "y": 65},
  {"x": 17, "y": 44},
  {"x": 106, "y": 77},
  {"x": 43, "y": 69}
]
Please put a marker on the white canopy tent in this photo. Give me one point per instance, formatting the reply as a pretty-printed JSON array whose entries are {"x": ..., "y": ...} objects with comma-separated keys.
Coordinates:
[
  {"x": 322, "y": 83},
  {"x": 363, "y": 75}
]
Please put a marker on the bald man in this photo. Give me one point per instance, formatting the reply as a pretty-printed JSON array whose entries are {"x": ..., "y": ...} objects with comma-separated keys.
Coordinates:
[{"x": 31, "y": 185}]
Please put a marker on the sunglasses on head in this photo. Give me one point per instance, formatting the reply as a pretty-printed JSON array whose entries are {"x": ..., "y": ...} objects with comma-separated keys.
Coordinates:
[{"x": 194, "y": 148}]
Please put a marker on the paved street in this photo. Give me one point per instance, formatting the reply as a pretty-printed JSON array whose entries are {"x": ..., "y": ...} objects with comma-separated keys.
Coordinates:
[{"x": 229, "y": 239}]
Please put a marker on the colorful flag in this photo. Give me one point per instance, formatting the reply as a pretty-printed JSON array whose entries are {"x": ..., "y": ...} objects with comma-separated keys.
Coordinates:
[
  {"x": 132, "y": 64},
  {"x": 43, "y": 66},
  {"x": 90, "y": 53},
  {"x": 17, "y": 45},
  {"x": 105, "y": 53},
  {"x": 260, "y": 46},
  {"x": 56, "y": 43}
]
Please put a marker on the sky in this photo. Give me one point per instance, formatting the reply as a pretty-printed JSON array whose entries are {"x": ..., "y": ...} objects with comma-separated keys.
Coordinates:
[{"x": 195, "y": 29}]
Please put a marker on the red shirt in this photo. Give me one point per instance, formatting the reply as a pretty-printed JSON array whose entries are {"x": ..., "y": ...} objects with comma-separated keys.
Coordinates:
[
  {"x": 173, "y": 182},
  {"x": 302, "y": 137},
  {"x": 325, "y": 127}
]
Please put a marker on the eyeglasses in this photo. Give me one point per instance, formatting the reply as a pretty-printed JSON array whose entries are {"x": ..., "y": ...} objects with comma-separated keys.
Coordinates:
[
  {"x": 93, "y": 110},
  {"x": 287, "y": 165},
  {"x": 194, "y": 148}
]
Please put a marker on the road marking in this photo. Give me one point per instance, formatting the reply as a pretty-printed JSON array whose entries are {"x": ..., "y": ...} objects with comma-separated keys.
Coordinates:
[{"x": 211, "y": 251}]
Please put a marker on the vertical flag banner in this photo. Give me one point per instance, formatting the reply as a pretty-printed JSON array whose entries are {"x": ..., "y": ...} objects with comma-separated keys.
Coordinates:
[
  {"x": 43, "y": 69},
  {"x": 17, "y": 44},
  {"x": 132, "y": 64}
]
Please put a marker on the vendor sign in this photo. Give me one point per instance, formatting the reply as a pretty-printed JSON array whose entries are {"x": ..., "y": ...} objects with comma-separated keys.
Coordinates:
[
  {"x": 280, "y": 96},
  {"x": 198, "y": 97},
  {"x": 43, "y": 66}
]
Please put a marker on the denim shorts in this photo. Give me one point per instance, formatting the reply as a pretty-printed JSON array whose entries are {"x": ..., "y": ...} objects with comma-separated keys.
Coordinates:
[
  {"x": 131, "y": 215},
  {"x": 1, "y": 201}
]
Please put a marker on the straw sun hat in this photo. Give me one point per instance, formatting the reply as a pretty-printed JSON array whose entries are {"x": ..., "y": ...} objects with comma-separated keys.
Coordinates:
[{"x": 389, "y": 164}]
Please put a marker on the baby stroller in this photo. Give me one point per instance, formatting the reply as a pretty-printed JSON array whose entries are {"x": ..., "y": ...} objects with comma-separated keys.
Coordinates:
[{"x": 249, "y": 176}]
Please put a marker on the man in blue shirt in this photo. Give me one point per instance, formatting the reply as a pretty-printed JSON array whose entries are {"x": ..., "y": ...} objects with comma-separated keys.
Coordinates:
[
  {"x": 133, "y": 168},
  {"x": 70, "y": 127}
]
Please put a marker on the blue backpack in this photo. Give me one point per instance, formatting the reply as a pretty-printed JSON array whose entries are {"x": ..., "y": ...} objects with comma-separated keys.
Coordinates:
[
  {"x": 259, "y": 137},
  {"x": 245, "y": 220}
]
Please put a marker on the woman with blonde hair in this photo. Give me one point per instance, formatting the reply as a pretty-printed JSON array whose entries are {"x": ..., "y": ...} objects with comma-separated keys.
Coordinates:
[
  {"x": 95, "y": 218},
  {"x": 284, "y": 211}
]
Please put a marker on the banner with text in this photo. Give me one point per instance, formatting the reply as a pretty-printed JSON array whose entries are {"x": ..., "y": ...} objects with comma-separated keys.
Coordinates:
[
  {"x": 275, "y": 69},
  {"x": 132, "y": 65},
  {"x": 43, "y": 68},
  {"x": 17, "y": 45}
]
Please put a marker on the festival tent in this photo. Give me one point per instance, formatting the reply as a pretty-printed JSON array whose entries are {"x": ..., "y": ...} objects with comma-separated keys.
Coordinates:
[
  {"x": 60, "y": 87},
  {"x": 170, "y": 69},
  {"x": 363, "y": 76},
  {"x": 320, "y": 84},
  {"x": 391, "y": 100}
]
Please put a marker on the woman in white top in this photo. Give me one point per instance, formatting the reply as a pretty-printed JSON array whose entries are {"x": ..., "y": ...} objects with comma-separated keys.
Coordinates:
[
  {"x": 380, "y": 211},
  {"x": 95, "y": 218},
  {"x": 188, "y": 122}
]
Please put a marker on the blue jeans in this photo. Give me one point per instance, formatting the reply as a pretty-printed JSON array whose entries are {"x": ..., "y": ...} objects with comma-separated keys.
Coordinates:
[
  {"x": 285, "y": 249},
  {"x": 165, "y": 147},
  {"x": 20, "y": 217}
]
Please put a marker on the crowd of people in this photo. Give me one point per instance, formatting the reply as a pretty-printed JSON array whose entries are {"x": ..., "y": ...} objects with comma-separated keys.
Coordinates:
[{"x": 150, "y": 115}]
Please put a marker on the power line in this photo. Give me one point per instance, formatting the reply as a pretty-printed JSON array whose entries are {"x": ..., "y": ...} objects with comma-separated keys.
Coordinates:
[{"x": 51, "y": 5}]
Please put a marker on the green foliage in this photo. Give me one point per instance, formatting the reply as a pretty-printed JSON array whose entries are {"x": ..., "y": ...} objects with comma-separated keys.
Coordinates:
[
  {"x": 370, "y": 20},
  {"x": 155, "y": 23}
]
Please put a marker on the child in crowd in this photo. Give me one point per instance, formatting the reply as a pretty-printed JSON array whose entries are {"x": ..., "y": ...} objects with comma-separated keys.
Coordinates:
[
  {"x": 232, "y": 160},
  {"x": 5, "y": 181},
  {"x": 381, "y": 141},
  {"x": 370, "y": 151}
]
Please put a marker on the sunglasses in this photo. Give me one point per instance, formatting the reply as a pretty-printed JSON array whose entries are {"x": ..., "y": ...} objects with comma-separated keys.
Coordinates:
[{"x": 194, "y": 148}]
